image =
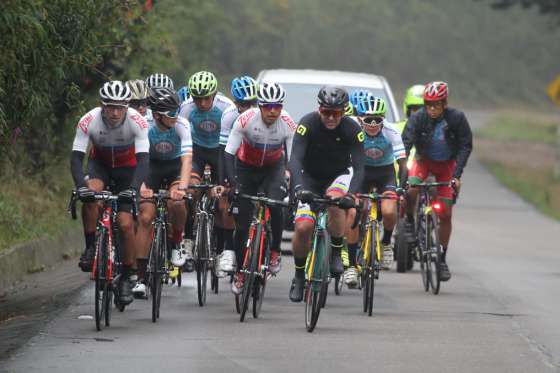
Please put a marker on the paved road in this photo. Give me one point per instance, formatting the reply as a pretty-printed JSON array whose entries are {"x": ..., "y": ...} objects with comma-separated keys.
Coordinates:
[{"x": 497, "y": 314}]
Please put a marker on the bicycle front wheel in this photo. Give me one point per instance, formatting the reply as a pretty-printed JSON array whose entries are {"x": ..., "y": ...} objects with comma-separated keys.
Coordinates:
[
  {"x": 434, "y": 252},
  {"x": 317, "y": 285},
  {"x": 99, "y": 277},
  {"x": 369, "y": 270},
  {"x": 249, "y": 272},
  {"x": 201, "y": 260},
  {"x": 156, "y": 261},
  {"x": 260, "y": 281}
]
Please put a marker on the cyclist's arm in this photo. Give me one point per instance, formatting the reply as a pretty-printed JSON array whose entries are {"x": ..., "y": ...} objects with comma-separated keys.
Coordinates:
[
  {"x": 357, "y": 159},
  {"x": 182, "y": 128},
  {"x": 233, "y": 143},
  {"x": 465, "y": 146},
  {"x": 409, "y": 135},
  {"x": 399, "y": 152},
  {"x": 298, "y": 149},
  {"x": 142, "y": 148},
  {"x": 79, "y": 148}
]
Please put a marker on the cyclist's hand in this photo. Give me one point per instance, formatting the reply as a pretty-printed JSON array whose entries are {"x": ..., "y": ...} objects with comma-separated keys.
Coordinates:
[
  {"x": 127, "y": 195},
  {"x": 177, "y": 194},
  {"x": 217, "y": 191},
  {"x": 457, "y": 183},
  {"x": 86, "y": 195},
  {"x": 346, "y": 202},
  {"x": 146, "y": 192},
  {"x": 304, "y": 196},
  {"x": 399, "y": 191}
]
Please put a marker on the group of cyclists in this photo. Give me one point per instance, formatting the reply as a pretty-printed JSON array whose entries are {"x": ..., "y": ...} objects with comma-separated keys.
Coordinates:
[{"x": 145, "y": 136}]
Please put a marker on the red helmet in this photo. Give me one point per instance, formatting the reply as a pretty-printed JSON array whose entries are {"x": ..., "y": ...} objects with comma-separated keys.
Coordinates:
[{"x": 435, "y": 91}]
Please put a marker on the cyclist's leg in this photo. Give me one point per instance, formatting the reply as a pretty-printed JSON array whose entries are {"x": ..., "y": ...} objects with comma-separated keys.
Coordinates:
[
  {"x": 337, "y": 218},
  {"x": 274, "y": 186},
  {"x": 443, "y": 171},
  {"x": 386, "y": 184},
  {"x": 143, "y": 240},
  {"x": 97, "y": 178}
]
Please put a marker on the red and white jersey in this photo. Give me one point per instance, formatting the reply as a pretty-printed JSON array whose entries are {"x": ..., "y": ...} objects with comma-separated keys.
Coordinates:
[
  {"x": 113, "y": 146},
  {"x": 258, "y": 144}
]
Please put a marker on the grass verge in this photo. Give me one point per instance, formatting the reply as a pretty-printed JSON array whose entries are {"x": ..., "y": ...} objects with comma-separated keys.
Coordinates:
[
  {"x": 521, "y": 151},
  {"x": 32, "y": 208}
]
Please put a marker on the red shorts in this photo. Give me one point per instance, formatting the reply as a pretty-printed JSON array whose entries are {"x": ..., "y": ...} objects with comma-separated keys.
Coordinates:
[{"x": 442, "y": 170}]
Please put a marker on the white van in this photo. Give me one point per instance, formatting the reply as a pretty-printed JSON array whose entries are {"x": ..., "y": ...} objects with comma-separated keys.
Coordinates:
[{"x": 302, "y": 87}]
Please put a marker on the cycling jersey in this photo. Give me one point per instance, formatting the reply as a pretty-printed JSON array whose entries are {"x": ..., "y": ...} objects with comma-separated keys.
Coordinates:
[
  {"x": 385, "y": 147},
  {"x": 325, "y": 154},
  {"x": 257, "y": 144},
  {"x": 113, "y": 146},
  {"x": 172, "y": 143},
  {"x": 438, "y": 148},
  {"x": 210, "y": 128}
]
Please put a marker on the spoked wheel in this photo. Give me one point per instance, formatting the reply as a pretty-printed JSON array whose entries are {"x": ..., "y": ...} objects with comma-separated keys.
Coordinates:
[
  {"x": 401, "y": 247},
  {"x": 312, "y": 308},
  {"x": 434, "y": 255},
  {"x": 157, "y": 258},
  {"x": 317, "y": 285},
  {"x": 202, "y": 261},
  {"x": 100, "y": 281},
  {"x": 108, "y": 303},
  {"x": 338, "y": 284},
  {"x": 259, "y": 288},
  {"x": 249, "y": 274}
]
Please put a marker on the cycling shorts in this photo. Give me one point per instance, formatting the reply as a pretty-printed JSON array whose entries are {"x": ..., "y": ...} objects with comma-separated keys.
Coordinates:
[
  {"x": 321, "y": 187},
  {"x": 443, "y": 172},
  {"x": 205, "y": 156},
  {"x": 381, "y": 178},
  {"x": 163, "y": 174},
  {"x": 114, "y": 179}
]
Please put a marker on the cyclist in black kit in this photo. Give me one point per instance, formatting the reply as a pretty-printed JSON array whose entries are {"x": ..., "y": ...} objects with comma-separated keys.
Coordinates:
[{"x": 327, "y": 159}]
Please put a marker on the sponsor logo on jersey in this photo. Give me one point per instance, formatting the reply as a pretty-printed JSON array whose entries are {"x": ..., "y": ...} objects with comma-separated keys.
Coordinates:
[
  {"x": 289, "y": 121},
  {"x": 301, "y": 130},
  {"x": 361, "y": 136},
  {"x": 139, "y": 120},
  {"x": 208, "y": 126},
  {"x": 163, "y": 147},
  {"x": 84, "y": 123},
  {"x": 246, "y": 117},
  {"x": 374, "y": 153}
]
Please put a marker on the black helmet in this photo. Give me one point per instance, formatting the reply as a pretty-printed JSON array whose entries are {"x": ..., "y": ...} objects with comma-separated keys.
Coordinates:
[
  {"x": 163, "y": 100},
  {"x": 331, "y": 96}
]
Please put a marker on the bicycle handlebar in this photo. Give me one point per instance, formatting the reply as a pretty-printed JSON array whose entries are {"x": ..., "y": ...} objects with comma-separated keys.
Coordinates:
[
  {"x": 104, "y": 195},
  {"x": 265, "y": 200}
]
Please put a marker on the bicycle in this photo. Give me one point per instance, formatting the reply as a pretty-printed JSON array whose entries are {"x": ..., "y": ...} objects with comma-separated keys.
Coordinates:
[
  {"x": 158, "y": 269},
  {"x": 204, "y": 250},
  {"x": 429, "y": 249},
  {"x": 317, "y": 265},
  {"x": 107, "y": 263},
  {"x": 256, "y": 259},
  {"x": 371, "y": 248}
]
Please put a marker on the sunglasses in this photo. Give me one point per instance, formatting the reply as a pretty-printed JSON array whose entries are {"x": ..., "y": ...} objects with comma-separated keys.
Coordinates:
[
  {"x": 170, "y": 114},
  {"x": 272, "y": 106},
  {"x": 336, "y": 113},
  {"x": 372, "y": 121},
  {"x": 138, "y": 103}
]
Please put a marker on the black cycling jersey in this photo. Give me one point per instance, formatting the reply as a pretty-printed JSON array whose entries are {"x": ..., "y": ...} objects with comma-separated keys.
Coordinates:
[{"x": 324, "y": 154}]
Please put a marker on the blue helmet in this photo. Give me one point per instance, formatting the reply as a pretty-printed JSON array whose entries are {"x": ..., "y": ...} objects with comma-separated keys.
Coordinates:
[
  {"x": 371, "y": 105},
  {"x": 356, "y": 95},
  {"x": 183, "y": 93},
  {"x": 244, "y": 88}
]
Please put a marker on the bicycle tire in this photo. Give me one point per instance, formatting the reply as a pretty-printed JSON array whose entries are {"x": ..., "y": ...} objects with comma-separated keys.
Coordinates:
[
  {"x": 311, "y": 306},
  {"x": 338, "y": 284},
  {"x": 401, "y": 247},
  {"x": 154, "y": 268},
  {"x": 99, "y": 277},
  {"x": 202, "y": 260},
  {"x": 108, "y": 304},
  {"x": 180, "y": 277},
  {"x": 424, "y": 268},
  {"x": 325, "y": 270},
  {"x": 250, "y": 273},
  {"x": 434, "y": 253},
  {"x": 260, "y": 281},
  {"x": 316, "y": 293},
  {"x": 372, "y": 269}
]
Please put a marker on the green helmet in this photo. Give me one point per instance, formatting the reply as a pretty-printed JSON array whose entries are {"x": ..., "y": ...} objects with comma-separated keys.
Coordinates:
[
  {"x": 203, "y": 84},
  {"x": 349, "y": 109},
  {"x": 414, "y": 96}
]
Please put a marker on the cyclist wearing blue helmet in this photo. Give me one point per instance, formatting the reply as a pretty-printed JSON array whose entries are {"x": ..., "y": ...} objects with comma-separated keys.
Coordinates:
[
  {"x": 355, "y": 97},
  {"x": 183, "y": 94},
  {"x": 244, "y": 92}
]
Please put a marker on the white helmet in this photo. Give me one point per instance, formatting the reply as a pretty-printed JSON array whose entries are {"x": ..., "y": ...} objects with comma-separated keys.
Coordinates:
[
  {"x": 159, "y": 81},
  {"x": 138, "y": 89},
  {"x": 115, "y": 90},
  {"x": 270, "y": 93}
]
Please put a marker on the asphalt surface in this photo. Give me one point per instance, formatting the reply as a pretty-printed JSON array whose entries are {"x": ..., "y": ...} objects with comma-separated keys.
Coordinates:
[{"x": 498, "y": 313}]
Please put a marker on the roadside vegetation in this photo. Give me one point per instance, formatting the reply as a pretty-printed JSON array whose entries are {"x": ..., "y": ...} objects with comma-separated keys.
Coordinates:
[{"x": 523, "y": 153}]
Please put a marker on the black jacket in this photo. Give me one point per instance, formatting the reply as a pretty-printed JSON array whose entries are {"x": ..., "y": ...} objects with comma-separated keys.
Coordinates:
[{"x": 420, "y": 129}]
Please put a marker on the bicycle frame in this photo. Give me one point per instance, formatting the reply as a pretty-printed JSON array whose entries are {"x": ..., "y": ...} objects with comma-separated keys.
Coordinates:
[
  {"x": 314, "y": 255},
  {"x": 262, "y": 217},
  {"x": 107, "y": 222}
]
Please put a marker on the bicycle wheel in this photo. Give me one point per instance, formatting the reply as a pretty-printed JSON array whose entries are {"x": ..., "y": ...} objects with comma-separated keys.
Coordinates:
[
  {"x": 260, "y": 281},
  {"x": 338, "y": 284},
  {"x": 401, "y": 247},
  {"x": 422, "y": 249},
  {"x": 154, "y": 266},
  {"x": 317, "y": 286},
  {"x": 371, "y": 270},
  {"x": 326, "y": 272},
  {"x": 434, "y": 252},
  {"x": 100, "y": 281},
  {"x": 108, "y": 303},
  {"x": 249, "y": 272},
  {"x": 202, "y": 260}
]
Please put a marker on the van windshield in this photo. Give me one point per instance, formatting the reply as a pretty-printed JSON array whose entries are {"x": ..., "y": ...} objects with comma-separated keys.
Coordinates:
[{"x": 301, "y": 98}]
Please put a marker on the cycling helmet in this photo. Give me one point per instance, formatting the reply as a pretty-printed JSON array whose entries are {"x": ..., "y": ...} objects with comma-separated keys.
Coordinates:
[
  {"x": 414, "y": 96},
  {"x": 244, "y": 89},
  {"x": 115, "y": 90},
  {"x": 138, "y": 89},
  {"x": 435, "y": 91},
  {"x": 270, "y": 93},
  {"x": 349, "y": 109},
  {"x": 183, "y": 93},
  {"x": 356, "y": 95},
  {"x": 163, "y": 100},
  {"x": 331, "y": 96},
  {"x": 371, "y": 105},
  {"x": 159, "y": 80},
  {"x": 203, "y": 84}
]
